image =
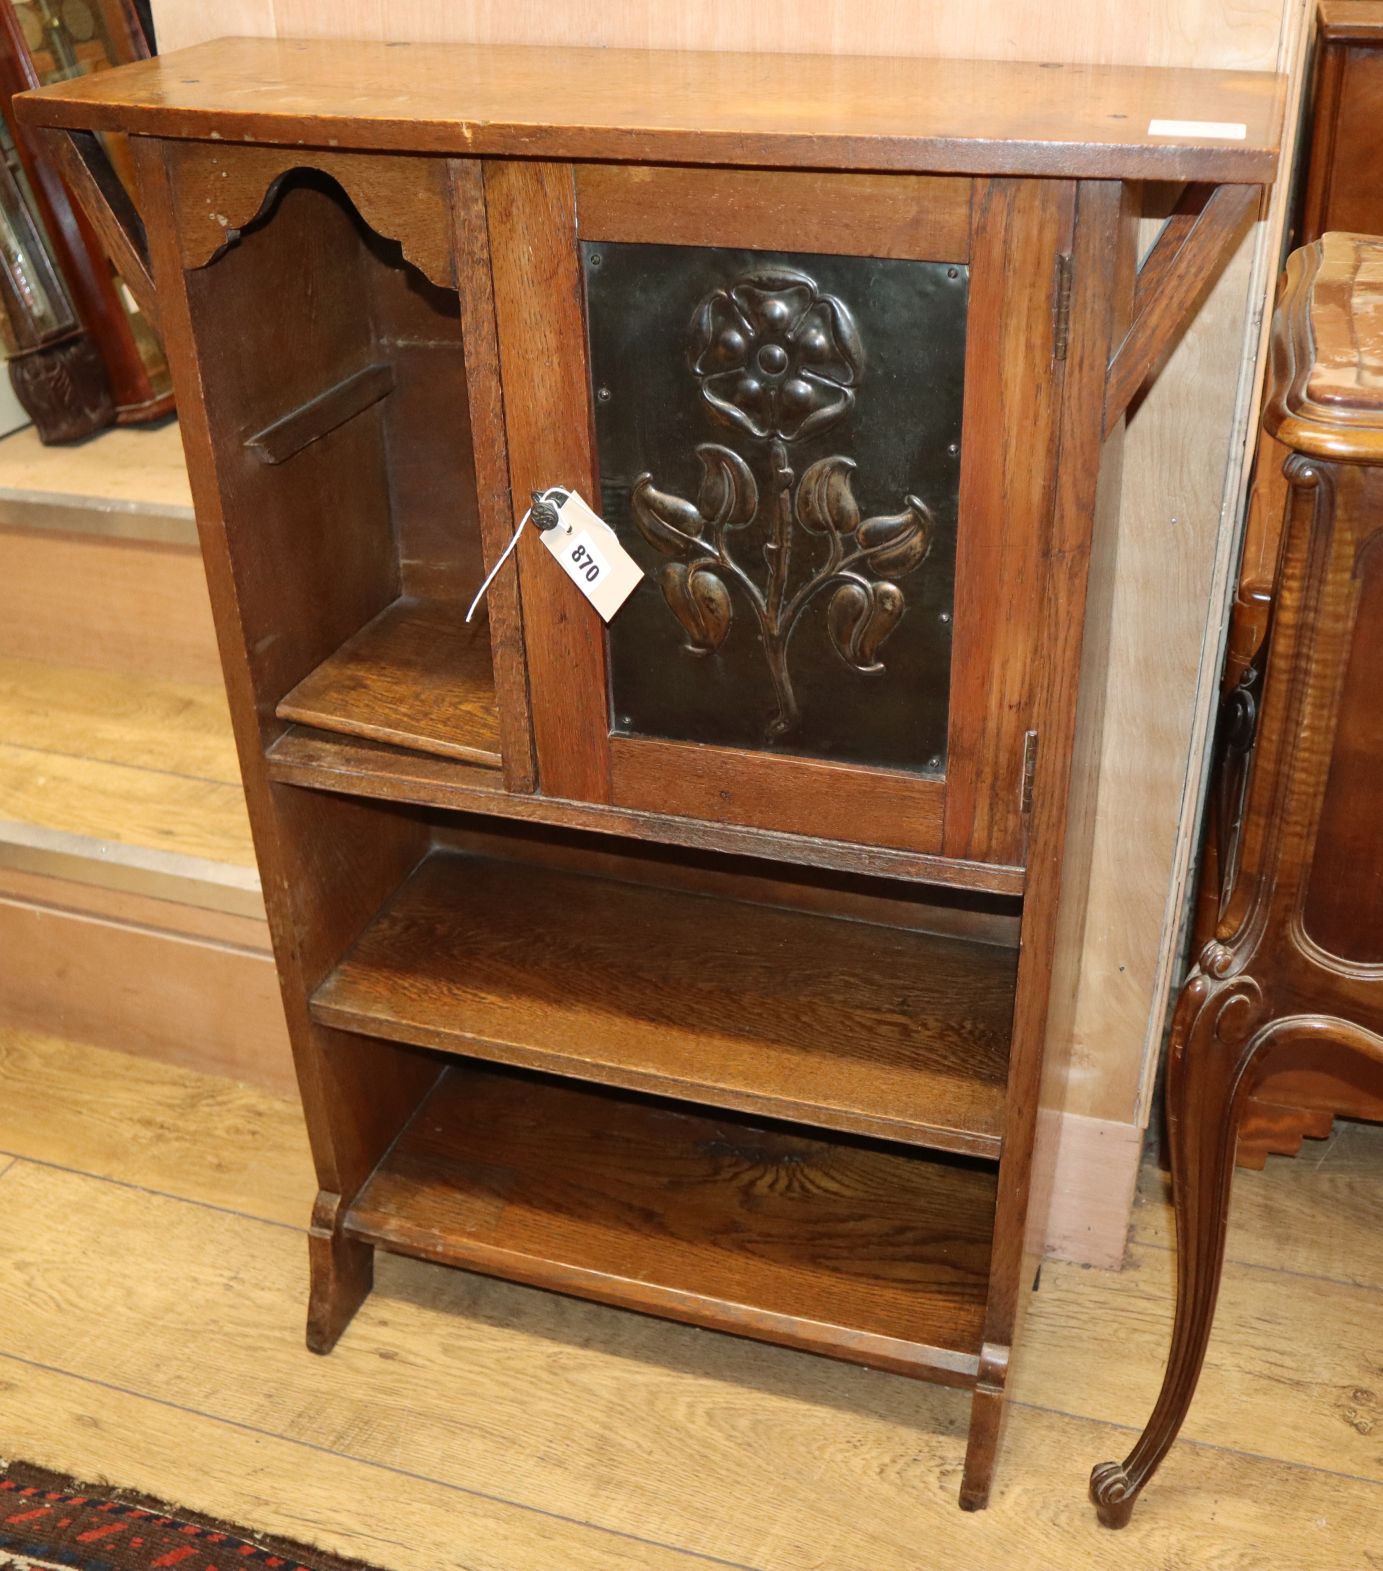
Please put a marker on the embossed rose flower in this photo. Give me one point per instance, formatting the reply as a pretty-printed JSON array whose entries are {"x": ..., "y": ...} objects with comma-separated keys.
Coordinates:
[{"x": 775, "y": 356}]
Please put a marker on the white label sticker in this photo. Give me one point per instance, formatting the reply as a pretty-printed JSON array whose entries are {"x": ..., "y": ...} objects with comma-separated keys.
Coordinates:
[
  {"x": 1193, "y": 130},
  {"x": 589, "y": 553}
]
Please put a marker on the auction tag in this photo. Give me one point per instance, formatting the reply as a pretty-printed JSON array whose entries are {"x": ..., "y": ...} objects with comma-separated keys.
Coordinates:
[
  {"x": 1197, "y": 130},
  {"x": 589, "y": 553}
]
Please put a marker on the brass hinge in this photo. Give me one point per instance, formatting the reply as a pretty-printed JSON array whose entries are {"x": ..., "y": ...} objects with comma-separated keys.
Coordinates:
[
  {"x": 1063, "y": 305},
  {"x": 1029, "y": 770}
]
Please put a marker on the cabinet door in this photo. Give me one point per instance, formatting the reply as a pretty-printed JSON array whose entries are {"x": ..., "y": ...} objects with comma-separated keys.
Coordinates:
[{"x": 820, "y": 411}]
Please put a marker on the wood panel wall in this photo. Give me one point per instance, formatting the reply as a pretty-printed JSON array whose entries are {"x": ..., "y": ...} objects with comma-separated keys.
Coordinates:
[{"x": 1143, "y": 738}]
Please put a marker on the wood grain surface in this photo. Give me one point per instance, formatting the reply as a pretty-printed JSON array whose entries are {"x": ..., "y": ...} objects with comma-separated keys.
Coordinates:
[
  {"x": 175, "y": 727},
  {"x": 309, "y": 758},
  {"x": 941, "y": 117},
  {"x": 465, "y": 1421},
  {"x": 854, "y": 1250},
  {"x": 417, "y": 675},
  {"x": 845, "y": 1024},
  {"x": 1327, "y": 367}
]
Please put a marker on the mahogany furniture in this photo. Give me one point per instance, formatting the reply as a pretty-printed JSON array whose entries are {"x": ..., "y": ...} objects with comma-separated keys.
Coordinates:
[
  {"x": 1283, "y": 1014},
  {"x": 698, "y": 964},
  {"x": 107, "y": 365},
  {"x": 1344, "y": 134},
  {"x": 1341, "y": 189}
]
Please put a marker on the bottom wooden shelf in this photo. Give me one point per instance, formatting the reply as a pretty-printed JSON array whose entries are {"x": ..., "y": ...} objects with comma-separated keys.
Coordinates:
[{"x": 837, "y": 1245}]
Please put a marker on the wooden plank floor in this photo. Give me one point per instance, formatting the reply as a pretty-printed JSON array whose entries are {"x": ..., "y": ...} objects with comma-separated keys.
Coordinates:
[{"x": 152, "y": 1282}]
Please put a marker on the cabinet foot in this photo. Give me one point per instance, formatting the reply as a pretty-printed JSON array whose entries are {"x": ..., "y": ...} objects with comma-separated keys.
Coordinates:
[
  {"x": 342, "y": 1274},
  {"x": 986, "y": 1419},
  {"x": 1111, "y": 1494}
]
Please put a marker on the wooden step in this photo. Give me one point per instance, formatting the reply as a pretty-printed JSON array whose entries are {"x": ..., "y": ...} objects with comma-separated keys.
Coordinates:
[
  {"x": 842, "y": 1247},
  {"x": 123, "y": 781},
  {"x": 850, "y": 1025}
]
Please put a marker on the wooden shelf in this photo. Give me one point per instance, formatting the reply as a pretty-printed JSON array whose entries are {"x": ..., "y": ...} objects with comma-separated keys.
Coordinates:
[
  {"x": 839, "y": 1247},
  {"x": 844, "y": 1024},
  {"x": 417, "y": 676},
  {"x": 351, "y": 767}
]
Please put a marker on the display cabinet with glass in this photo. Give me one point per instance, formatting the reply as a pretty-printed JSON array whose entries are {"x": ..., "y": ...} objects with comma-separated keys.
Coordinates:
[{"x": 112, "y": 341}]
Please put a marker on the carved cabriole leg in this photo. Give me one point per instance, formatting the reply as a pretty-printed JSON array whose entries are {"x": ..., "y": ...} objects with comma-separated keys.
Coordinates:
[
  {"x": 1208, "y": 1082},
  {"x": 986, "y": 1419},
  {"x": 342, "y": 1273}
]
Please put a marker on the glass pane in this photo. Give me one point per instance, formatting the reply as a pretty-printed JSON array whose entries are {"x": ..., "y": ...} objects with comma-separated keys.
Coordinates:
[
  {"x": 779, "y": 447},
  {"x": 35, "y": 303}
]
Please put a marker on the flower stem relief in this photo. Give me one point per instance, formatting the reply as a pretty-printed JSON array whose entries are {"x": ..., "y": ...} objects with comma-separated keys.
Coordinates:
[{"x": 777, "y": 360}]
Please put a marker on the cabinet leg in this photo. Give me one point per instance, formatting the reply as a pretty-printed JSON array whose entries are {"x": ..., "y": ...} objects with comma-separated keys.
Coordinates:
[
  {"x": 342, "y": 1273},
  {"x": 986, "y": 1420},
  {"x": 1206, "y": 1082}
]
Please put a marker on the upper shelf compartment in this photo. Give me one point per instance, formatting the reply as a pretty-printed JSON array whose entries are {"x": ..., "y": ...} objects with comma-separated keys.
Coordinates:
[
  {"x": 809, "y": 111},
  {"x": 334, "y": 352}
]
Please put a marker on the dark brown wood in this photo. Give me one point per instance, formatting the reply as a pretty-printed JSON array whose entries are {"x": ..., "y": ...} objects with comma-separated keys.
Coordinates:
[
  {"x": 225, "y": 190},
  {"x": 82, "y": 161},
  {"x": 1340, "y": 137},
  {"x": 540, "y": 317},
  {"x": 672, "y": 106},
  {"x": 765, "y": 209},
  {"x": 494, "y": 510},
  {"x": 847, "y": 1025},
  {"x": 417, "y": 675},
  {"x": 1008, "y": 469},
  {"x": 327, "y": 764},
  {"x": 1101, "y": 242},
  {"x": 840, "y": 1247},
  {"x": 796, "y": 795},
  {"x": 1284, "y": 1011},
  {"x": 357, "y": 1092},
  {"x": 1185, "y": 259},
  {"x": 309, "y": 422},
  {"x": 1327, "y": 393},
  {"x": 754, "y": 930},
  {"x": 137, "y": 376},
  {"x": 64, "y": 388}
]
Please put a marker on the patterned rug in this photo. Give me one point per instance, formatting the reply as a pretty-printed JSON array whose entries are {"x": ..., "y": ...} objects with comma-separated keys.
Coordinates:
[{"x": 52, "y": 1523}]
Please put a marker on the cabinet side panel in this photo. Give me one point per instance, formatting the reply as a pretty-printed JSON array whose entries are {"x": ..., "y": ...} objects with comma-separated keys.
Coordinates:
[
  {"x": 327, "y": 863},
  {"x": 1099, "y": 272}
]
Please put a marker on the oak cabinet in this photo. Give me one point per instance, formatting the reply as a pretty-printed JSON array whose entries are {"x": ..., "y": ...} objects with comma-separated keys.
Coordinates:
[{"x": 697, "y": 963}]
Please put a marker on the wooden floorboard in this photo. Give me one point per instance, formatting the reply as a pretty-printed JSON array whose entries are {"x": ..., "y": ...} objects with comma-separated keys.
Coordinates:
[
  {"x": 197, "y": 1137},
  {"x": 154, "y": 1334},
  {"x": 1315, "y": 1214}
]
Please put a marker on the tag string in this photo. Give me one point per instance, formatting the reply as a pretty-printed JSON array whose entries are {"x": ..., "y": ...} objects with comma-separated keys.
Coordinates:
[{"x": 509, "y": 549}]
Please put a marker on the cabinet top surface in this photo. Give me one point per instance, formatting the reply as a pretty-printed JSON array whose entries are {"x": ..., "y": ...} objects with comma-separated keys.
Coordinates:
[
  {"x": 1351, "y": 21},
  {"x": 812, "y": 111},
  {"x": 1327, "y": 394}
]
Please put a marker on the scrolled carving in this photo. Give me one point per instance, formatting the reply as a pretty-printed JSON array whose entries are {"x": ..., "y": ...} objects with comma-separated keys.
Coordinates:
[
  {"x": 1113, "y": 1494},
  {"x": 1238, "y": 1010},
  {"x": 777, "y": 359},
  {"x": 64, "y": 388}
]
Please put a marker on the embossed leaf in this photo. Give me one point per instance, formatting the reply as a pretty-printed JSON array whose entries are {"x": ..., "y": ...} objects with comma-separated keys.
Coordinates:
[
  {"x": 825, "y": 500},
  {"x": 728, "y": 493},
  {"x": 669, "y": 522},
  {"x": 860, "y": 617},
  {"x": 896, "y": 543},
  {"x": 700, "y": 602}
]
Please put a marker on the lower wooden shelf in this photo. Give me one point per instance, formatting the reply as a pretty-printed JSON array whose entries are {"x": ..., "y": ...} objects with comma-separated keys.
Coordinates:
[
  {"x": 416, "y": 676},
  {"x": 877, "y": 1030},
  {"x": 838, "y": 1246}
]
